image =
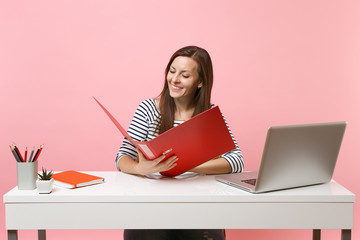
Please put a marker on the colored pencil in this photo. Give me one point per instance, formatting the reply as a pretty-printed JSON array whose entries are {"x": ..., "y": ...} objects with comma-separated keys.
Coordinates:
[
  {"x": 25, "y": 157},
  {"x": 15, "y": 155},
  {"x": 32, "y": 153},
  {"x": 38, "y": 153},
  {"x": 18, "y": 152}
]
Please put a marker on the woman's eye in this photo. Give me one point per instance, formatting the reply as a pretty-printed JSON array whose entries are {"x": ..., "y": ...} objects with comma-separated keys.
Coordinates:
[
  {"x": 171, "y": 71},
  {"x": 185, "y": 76}
]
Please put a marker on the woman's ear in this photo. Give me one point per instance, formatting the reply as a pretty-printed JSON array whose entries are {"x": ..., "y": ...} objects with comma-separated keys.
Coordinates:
[{"x": 200, "y": 84}]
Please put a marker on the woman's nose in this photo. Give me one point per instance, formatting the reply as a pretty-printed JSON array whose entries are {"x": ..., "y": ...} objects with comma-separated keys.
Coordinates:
[{"x": 175, "y": 78}]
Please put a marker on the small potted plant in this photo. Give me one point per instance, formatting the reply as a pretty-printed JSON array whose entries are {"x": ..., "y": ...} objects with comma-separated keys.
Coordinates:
[{"x": 45, "y": 182}]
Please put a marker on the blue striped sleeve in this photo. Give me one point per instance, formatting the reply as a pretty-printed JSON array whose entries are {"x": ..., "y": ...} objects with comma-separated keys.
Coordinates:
[
  {"x": 234, "y": 157},
  {"x": 138, "y": 130}
]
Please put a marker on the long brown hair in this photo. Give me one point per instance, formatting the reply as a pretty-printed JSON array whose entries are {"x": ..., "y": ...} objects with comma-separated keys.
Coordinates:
[{"x": 202, "y": 95}]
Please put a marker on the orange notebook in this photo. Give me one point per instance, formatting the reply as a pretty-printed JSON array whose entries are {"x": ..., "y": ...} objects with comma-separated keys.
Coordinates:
[
  {"x": 194, "y": 142},
  {"x": 74, "y": 179}
]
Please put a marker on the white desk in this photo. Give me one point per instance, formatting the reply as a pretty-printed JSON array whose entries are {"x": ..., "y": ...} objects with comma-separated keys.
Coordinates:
[{"x": 198, "y": 202}]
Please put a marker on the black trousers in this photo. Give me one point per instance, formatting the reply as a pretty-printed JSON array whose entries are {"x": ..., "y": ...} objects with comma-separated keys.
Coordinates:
[{"x": 176, "y": 234}]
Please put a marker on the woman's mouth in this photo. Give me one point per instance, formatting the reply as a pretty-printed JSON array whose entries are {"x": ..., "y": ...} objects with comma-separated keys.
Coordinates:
[{"x": 175, "y": 88}]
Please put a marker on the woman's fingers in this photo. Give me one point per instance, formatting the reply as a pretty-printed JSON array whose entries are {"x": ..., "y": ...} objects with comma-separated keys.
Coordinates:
[
  {"x": 146, "y": 166},
  {"x": 168, "y": 163}
]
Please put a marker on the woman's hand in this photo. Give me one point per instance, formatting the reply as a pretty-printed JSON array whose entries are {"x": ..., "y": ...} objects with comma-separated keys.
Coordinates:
[{"x": 145, "y": 166}]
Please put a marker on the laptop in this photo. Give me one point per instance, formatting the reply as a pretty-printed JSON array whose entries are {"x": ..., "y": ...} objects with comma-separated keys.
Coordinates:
[{"x": 293, "y": 156}]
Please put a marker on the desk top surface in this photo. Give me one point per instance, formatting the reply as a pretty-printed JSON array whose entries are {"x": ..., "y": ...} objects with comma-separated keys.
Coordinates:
[{"x": 121, "y": 187}]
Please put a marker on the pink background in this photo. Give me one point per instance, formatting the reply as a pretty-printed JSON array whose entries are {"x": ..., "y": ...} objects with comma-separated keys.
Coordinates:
[{"x": 275, "y": 62}]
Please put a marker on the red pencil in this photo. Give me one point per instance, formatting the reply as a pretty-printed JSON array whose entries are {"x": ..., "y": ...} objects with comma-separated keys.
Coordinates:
[
  {"x": 25, "y": 155},
  {"x": 38, "y": 153}
]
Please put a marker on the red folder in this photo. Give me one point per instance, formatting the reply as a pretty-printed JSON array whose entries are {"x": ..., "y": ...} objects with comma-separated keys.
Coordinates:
[{"x": 194, "y": 142}]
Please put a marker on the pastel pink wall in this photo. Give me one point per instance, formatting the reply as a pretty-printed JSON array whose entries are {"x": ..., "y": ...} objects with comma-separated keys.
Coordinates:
[{"x": 275, "y": 62}]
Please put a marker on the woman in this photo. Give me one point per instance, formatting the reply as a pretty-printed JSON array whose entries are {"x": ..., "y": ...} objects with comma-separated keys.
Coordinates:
[{"x": 186, "y": 93}]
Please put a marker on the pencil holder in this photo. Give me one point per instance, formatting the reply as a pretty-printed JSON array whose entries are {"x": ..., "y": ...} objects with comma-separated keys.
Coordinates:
[{"x": 27, "y": 175}]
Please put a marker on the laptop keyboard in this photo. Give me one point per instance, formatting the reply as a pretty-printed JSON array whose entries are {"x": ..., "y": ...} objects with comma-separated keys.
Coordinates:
[{"x": 250, "y": 181}]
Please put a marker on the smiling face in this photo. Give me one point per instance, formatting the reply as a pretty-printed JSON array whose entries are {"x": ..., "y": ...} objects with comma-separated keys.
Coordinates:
[{"x": 183, "y": 78}]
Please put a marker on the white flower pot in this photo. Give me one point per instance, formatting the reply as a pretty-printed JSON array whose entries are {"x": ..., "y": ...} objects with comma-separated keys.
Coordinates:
[{"x": 44, "y": 186}]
